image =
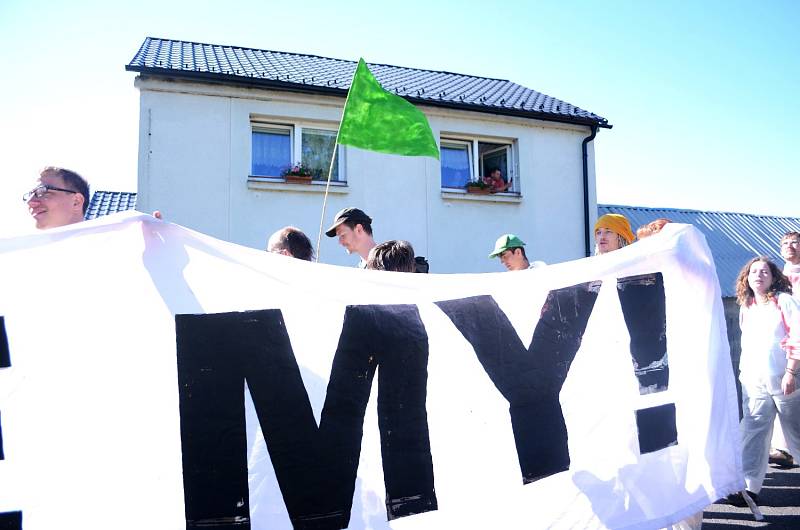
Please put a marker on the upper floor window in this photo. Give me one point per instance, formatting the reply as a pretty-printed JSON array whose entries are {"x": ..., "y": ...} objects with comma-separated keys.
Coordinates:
[
  {"x": 456, "y": 161},
  {"x": 464, "y": 160},
  {"x": 316, "y": 150},
  {"x": 272, "y": 150},
  {"x": 275, "y": 147}
]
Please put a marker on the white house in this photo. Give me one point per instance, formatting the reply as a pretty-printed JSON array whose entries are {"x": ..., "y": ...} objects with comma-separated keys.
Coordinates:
[{"x": 219, "y": 123}]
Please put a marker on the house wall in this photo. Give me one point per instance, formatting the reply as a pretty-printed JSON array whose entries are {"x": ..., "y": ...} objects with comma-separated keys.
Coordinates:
[{"x": 194, "y": 165}]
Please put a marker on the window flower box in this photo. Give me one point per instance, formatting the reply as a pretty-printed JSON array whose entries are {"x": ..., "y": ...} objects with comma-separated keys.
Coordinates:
[
  {"x": 298, "y": 173},
  {"x": 479, "y": 188},
  {"x": 298, "y": 179}
]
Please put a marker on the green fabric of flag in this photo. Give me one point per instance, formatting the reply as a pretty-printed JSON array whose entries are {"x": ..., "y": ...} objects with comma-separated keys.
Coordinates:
[{"x": 377, "y": 120}]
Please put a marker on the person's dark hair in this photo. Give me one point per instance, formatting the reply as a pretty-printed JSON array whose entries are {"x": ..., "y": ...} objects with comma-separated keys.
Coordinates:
[
  {"x": 72, "y": 180},
  {"x": 519, "y": 248},
  {"x": 780, "y": 283},
  {"x": 394, "y": 255},
  {"x": 296, "y": 243},
  {"x": 352, "y": 224},
  {"x": 421, "y": 265}
]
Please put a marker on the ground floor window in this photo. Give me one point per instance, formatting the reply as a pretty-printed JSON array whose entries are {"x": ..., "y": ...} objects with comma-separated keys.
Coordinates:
[
  {"x": 275, "y": 147},
  {"x": 464, "y": 160}
]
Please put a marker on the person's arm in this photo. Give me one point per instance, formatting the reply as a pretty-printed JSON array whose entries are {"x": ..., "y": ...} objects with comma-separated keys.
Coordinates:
[
  {"x": 789, "y": 381},
  {"x": 790, "y": 312}
]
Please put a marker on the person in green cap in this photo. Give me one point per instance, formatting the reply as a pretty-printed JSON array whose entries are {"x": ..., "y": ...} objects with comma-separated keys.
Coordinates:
[{"x": 511, "y": 251}]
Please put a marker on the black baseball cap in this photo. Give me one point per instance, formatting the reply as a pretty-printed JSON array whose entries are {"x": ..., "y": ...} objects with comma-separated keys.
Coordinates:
[{"x": 348, "y": 214}]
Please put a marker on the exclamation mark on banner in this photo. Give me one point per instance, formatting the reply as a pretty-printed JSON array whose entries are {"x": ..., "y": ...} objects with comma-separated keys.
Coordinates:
[
  {"x": 644, "y": 309},
  {"x": 5, "y": 362},
  {"x": 8, "y": 520}
]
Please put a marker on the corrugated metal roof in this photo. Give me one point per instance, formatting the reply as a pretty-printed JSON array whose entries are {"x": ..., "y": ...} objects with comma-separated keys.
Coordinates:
[
  {"x": 733, "y": 238},
  {"x": 311, "y": 73},
  {"x": 106, "y": 202}
]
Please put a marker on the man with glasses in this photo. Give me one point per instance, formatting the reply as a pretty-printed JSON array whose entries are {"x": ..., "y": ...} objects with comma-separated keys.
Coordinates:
[{"x": 60, "y": 198}]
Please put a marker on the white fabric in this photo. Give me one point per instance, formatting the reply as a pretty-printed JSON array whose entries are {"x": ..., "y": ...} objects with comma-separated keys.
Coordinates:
[
  {"x": 765, "y": 328},
  {"x": 760, "y": 407},
  {"x": 793, "y": 273},
  {"x": 89, "y": 406},
  {"x": 695, "y": 522},
  {"x": 778, "y": 439}
]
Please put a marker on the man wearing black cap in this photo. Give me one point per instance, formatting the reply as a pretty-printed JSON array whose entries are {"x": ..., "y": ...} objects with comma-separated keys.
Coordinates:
[{"x": 354, "y": 229}]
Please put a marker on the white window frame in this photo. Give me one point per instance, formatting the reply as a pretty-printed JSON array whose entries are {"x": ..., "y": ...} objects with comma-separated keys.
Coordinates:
[
  {"x": 296, "y": 144},
  {"x": 476, "y": 159},
  {"x": 257, "y": 127},
  {"x": 470, "y": 153}
]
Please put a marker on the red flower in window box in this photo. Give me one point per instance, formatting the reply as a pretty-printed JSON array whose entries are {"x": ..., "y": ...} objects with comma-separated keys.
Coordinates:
[{"x": 298, "y": 173}]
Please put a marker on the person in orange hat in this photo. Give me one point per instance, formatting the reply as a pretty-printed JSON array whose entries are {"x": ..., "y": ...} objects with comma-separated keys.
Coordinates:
[{"x": 612, "y": 231}]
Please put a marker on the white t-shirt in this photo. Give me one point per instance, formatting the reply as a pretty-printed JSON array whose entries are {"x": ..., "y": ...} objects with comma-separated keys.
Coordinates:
[
  {"x": 793, "y": 273},
  {"x": 765, "y": 330}
]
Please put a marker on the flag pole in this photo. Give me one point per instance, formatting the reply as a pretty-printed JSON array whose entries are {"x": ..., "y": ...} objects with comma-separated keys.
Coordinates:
[{"x": 330, "y": 168}]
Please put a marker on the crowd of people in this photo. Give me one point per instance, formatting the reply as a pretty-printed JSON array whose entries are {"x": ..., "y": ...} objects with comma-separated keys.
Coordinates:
[
  {"x": 769, "y": 300},
  {"x": 769, "y": 366}
]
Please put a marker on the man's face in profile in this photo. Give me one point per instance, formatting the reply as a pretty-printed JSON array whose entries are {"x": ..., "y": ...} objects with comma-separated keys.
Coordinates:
[
  {"x": 348, "y": 237},
  {"x": 513, "y": 259},
  {"x": 53, "y": 203}
]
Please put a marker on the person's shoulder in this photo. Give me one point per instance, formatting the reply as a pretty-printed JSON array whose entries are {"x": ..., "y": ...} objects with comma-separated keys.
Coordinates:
[
  {"x": 537, "y": 264},
  {"x": 787, "y": 301}
]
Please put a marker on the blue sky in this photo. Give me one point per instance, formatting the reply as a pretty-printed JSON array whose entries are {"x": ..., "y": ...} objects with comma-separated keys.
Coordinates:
[{"x": 702, "y": 95}]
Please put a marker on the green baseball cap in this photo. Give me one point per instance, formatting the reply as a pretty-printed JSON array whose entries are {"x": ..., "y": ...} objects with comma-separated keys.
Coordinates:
[{"x": 506, "y": 242}]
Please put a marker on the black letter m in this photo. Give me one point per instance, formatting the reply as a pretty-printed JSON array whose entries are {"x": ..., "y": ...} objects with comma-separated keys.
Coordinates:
[{"x": 315, "y": 466}]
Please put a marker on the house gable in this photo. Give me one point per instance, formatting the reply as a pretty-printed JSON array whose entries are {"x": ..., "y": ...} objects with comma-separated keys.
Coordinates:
[{"x": 214, "y": 147}]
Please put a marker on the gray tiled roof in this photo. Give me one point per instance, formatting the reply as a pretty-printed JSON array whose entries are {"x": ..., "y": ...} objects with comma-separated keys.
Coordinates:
[
  {"x": 106, "y": 202},
  {"x": 311, "y": 73},
  {"x": 733, "y": 238}
]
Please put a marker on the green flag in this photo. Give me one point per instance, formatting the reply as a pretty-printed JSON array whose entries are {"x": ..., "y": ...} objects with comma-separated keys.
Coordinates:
[{"x": 377, "y": 120}]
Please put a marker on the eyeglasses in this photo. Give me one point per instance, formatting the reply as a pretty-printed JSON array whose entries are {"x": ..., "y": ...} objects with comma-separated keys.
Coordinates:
[{"x": 41, "y": 191}]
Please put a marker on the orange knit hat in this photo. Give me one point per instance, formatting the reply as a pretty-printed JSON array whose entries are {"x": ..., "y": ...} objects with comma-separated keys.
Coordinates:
[{"x": 616, "y": 223}]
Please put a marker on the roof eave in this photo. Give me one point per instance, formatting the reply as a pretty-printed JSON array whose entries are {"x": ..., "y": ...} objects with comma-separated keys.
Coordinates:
[
  {"x": 237, "y": 79},
  {"x": 260, "y": 82},
  {"x": 530, "y": 114}
]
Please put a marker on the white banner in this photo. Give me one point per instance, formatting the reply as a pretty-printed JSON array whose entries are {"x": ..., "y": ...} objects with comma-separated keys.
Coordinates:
[{"x": 139, "y": 357}]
